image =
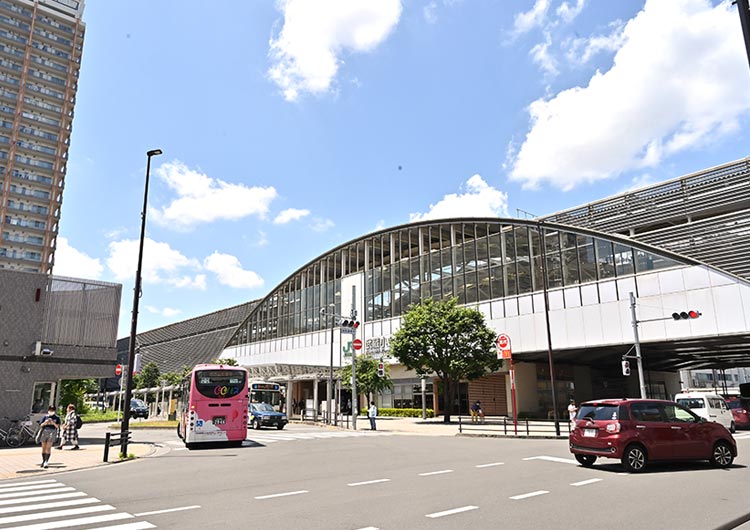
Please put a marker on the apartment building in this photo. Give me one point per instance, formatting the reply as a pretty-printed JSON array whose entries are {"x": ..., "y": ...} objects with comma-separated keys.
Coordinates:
[{"x": 41, "y": 43}]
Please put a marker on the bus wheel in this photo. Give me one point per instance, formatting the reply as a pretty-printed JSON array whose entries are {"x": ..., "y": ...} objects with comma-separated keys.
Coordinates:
[{"x": 189, "y": 447}]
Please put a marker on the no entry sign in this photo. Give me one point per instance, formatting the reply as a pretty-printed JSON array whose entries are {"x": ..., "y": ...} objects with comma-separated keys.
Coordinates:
[
  {"x": 357, "y": 344},
  {"x": 118, "y": 369}
]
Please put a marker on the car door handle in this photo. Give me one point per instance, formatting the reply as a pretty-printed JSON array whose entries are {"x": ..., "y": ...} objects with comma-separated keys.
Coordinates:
[
  {"x": 640, "y": 426},
  {"x": 676, "y": 428}
]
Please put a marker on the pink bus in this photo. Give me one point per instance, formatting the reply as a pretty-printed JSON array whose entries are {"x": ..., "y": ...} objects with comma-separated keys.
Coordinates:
[{"x": 213, "y": 405}]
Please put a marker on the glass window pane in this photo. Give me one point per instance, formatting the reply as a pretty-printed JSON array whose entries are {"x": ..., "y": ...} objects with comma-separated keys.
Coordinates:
[
  {"x": 554, "y": 271},
  {"x": 586, "y": 259},
  {"x": 605, "y": 259},
  {"x": 570, "y": 267},
  {"x": 496, "y": 282},
  {"x": 495, "y": 249},
  {"x": 552, "y": 241},
  {"x": 483, "y": 277},
  {"x": 509, "y": 245},
  {"x": 623, "y": 259},
  {"x": 511, "y": 288}
]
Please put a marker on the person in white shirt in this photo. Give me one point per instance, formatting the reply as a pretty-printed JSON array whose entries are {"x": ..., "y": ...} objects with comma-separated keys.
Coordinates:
[
  {"x": 572, "y": 410},
  {"x": 371, "y": 413}
]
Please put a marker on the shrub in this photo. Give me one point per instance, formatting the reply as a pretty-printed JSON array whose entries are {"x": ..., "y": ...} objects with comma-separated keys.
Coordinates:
[{"x": 405, "y": 413}]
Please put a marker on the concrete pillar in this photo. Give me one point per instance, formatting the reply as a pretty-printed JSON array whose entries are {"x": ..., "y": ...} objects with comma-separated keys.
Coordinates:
[
  {"x": 315, "y": 399},
  {"x": 288, "y": 405}
]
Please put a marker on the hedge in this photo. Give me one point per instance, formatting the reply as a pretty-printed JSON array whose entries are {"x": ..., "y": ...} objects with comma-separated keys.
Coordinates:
[{"x": 405, "y": 413}]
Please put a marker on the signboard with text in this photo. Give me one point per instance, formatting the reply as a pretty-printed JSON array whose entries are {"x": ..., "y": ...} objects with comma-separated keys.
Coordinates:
[{"x": 503, "y": 346}]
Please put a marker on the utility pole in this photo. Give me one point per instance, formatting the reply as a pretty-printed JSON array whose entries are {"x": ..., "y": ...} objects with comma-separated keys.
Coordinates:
[
  {"x": 355, "y": 397},
  {"x": 638, "y": 359}
]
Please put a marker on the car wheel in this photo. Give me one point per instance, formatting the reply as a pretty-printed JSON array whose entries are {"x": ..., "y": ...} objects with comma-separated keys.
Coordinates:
[
  {"x": 722, "y": 455},
  {"x": 256, "y": 424},
  {"x": 634, "y": 459},
  {"x": 280, "y": 426},
  {"x": 586, "y": 460},
  {"x": 732, "y": 428}
]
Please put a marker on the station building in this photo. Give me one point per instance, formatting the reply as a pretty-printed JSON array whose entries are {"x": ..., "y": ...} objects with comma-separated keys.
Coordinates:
[{"x": 679, "y": 245}]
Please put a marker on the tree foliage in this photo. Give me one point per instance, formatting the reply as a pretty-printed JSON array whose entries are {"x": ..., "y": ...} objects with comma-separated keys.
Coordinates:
[
  {"x": 368, "y": 380},
  {"x": 149, "y": 376},
  {"x": 446, "y": 339},
  {"x": 228, "y": 361},
  {"x": 74, "y": 391}
]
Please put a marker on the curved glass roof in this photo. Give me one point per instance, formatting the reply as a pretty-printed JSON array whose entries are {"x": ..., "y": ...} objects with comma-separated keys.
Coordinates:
[{"x": 475, "y": 260}]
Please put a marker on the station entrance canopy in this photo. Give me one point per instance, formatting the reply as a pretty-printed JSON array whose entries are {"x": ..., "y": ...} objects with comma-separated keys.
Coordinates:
[
  {"x": 285, "y": 372},
  {"x": 722, "y": 351}
]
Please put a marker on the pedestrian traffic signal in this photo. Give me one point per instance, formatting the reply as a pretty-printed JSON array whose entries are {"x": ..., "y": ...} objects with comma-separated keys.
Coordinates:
[
  {"x": 625, "y": 367},
  {"x": 686, "y": 315},
  {"x": 350, "y": 323},
  {"x": 381, "y": 370}
]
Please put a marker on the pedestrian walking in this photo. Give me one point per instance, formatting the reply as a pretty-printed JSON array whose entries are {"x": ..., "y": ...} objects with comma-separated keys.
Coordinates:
[
  {"x": 372, "y": 412},
  {"x": 572, "y": 411},
  {"x": 47, "y": 434},
  {"x": 70, "y": 429}
]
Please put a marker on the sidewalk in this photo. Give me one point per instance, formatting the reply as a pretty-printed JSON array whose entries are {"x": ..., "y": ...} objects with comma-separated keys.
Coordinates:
[{"x": 23, "y": 462}]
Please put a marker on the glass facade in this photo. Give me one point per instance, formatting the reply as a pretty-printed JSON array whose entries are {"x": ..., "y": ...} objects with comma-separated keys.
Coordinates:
[{"x": 473, "y": 261}]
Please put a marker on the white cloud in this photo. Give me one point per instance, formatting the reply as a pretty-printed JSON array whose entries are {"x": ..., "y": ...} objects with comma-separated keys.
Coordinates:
[
  {"x": 379, "y": 225},
  {"x": 165, "y": 312},
  {"x": 321, "y": 225},
  {"x": 290, "y": 214},
  {"x": 262, "y": 239},
  {"x": 528, "y": 20},
  {"x": 74, "y": 263},
  {"x": 204, "y": 199},
  {"x": 678, "y": 81},
  {"x": 429, "y": 12},
  {"x": 568, "y": 12},
  {"x": 229, "y": 271},
  {"x": 582, "y": 50},
  {"x": 540, "y": 55},
  {"x": 306, "y": 54},
  {"x": 479, "y": 200},
  {"x": 161, "y": 264}
]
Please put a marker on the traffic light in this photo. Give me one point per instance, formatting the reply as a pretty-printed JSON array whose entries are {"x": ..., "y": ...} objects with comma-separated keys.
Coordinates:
[
  {"x": 686, "y": 315},
  {"x": 625, "y": 367},
  {"x": 350, "y": 323},
  {"x": 381, "y": 370}
]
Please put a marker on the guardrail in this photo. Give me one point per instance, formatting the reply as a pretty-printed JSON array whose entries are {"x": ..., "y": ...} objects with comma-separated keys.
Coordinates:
[
  {"x": 504, "y": 426},
  {"x": 114, "y": 438}
]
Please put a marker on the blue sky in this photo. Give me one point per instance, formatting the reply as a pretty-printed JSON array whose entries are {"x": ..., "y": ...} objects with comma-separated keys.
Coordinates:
[{"x": 291, "y": 127}]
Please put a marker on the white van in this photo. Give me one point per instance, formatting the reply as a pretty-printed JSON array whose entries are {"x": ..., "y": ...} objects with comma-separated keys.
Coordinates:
[{"x": 709, "y": 406}]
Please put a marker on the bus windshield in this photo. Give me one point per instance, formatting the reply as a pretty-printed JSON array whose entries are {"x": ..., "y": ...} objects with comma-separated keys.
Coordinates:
[{"x": 219, "y": 383}]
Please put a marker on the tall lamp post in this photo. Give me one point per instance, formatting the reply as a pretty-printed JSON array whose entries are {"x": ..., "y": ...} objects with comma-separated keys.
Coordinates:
[
  {"x": 545, "y": 287},
  {"x": 134, "y": 318},
  {"x": 333, "y": 317}
]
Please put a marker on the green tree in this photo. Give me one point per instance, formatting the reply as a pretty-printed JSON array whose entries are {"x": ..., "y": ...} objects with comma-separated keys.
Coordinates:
[
  {"x": 172, "y": 378},
  {"x": 74, "y": 391},
  {"x": 226, "y": 362},
  {"x": 449, "y": 340},
  {"x": 149, "y": 377},
  {"x": 368, "y": 380}
]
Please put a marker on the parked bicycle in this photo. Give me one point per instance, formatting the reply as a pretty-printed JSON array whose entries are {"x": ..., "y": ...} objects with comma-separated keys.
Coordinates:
[{"x": 16, "y": 433}]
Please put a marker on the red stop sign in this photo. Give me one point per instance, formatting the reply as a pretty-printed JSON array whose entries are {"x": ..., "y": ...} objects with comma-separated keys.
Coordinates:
[
  {"x": 502, "y": 341},
  {"x": 118, "y": 369},
  {"x": 357, "y": 344}
]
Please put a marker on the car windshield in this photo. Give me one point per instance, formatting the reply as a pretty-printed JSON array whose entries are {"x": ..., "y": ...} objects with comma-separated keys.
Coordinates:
[
  {"x": 263, "y": 407},
  {"x": 599, "y": 412},
  {"x": 691, "y": 403},
  {"x": 136, "y": 403}
]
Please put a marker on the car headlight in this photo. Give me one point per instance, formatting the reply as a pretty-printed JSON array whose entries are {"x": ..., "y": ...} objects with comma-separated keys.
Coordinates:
[{"x": 283, "y": 416}]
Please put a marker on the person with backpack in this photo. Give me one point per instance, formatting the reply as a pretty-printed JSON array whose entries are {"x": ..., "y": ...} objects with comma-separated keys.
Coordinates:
[
  {"x": 70, "y": 428},
  {"x": 477, "y": 414}
]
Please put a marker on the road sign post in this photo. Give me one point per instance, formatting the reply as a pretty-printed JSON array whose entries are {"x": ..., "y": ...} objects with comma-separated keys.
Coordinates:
[{"x": 504, "y": 352}]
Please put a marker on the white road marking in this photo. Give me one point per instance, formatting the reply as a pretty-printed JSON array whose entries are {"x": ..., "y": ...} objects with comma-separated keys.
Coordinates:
[
  {"x": 168, "y": 510},
  {"x": 141, "y": 525},
  {"x": 43, "y": 498},
  {"x": 14, "y": 484},
  {"x": 554, "y": 459},
  {"x": 527, "y": 495},
  {"x": 491, "y": 465},
  {"x": 28, "y": 488},
  {"x": 369, "y": 528},
  {"x": 300, "y": 492},
  {"x": 17, "y": 494},
  {"x": 451, "y": 512},
  {"x": 67, "y": 523},
  {"x": 378, "y": 481},
  {"x": 56, "y": 513},
  {"x": 442, "y": 472},
  {"x": 48, "y": 505},
  {"x": 585, "y": 482}
]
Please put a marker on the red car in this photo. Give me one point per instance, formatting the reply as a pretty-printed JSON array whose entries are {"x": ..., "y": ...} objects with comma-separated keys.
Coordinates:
[
  {"x": 638, "y": 431},
  {"x": 740, "y": 408}
]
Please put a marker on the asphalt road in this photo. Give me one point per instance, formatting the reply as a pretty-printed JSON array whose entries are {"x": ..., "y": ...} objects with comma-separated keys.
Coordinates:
[{"x": 296, "y": 479}]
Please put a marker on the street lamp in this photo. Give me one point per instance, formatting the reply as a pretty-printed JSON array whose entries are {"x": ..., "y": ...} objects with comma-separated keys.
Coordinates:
[
  {"x": 545, "y": 287},
  {"x": 134, "y": 318}
]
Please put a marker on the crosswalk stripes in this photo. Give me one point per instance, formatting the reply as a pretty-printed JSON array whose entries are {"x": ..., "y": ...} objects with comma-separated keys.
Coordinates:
[
  {"x": 741, "y": 435},
  {"x": 48, "y": 505},
  {"x": 264, "y": 437}
]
